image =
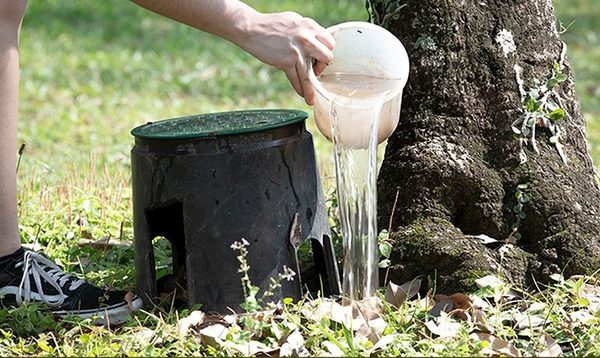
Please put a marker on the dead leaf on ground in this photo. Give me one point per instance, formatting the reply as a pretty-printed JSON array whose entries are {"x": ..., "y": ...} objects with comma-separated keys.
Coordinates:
[
  {"x": 251, "y": 348},
  {"x": 525, "y": 321},
  {"x": 196, "y": 318},
  {"x": 592, "y": 294},
  {"x": 497, "y": 346},
  {"x": 496, "y": 283},
  {"x": 369, "y": 308},
  {"x": 145, "y": 335},
  {"x": 372, "y": 330},
  {"x": 479, "y": 302},
  {"x": 326, "y": 308},
  {"x": 383, "y": 343},
  {"x": 214, "y": 335},
  {"x": 458, "y": 305},
  {"x": 552, "y": 349},
  {"x": 294, "y": 346},
  {"x": 363, "y": 316},
  {"x": 332, "y": 349},
  {"x": 443, "y": 326},
  {"x": 397, "y": 295},
  {"x": 583, "y": 316}
]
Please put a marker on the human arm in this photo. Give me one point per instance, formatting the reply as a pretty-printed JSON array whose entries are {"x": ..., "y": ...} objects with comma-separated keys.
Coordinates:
[{"x": 284, "y": 40}]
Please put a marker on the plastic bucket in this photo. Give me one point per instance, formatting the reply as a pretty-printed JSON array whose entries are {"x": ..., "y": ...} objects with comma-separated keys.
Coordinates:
[{"x": 363, "y": 49}]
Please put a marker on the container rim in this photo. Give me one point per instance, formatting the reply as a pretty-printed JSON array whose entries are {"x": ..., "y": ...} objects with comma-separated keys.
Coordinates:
[
  {"x": 356, "y": 25},
  {"x": 175, "y": 128}
]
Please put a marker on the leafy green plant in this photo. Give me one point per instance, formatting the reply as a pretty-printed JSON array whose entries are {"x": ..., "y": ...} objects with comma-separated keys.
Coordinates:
[
  {"x": 522, "y": 199},
  {"x": 391, "y": 11},
  {"x": 542, "y": 107},
  {"x": 252, "y": 303},
  {"x": 385, "y": 248}
]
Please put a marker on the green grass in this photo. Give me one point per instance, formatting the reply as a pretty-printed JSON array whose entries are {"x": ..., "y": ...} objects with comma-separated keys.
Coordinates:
[
  {"x": 583, "y": 39},
  {"x": 92, "y": 70}
]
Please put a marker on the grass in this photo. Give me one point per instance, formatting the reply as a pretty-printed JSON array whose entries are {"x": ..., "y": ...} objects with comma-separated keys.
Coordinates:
[
  {"x": 583, "y": 39},
  {"x": 93, "y": 70}
]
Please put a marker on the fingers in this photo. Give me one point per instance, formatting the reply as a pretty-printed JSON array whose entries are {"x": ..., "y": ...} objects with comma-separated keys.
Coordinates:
[
  {"x": 318, "y": 67},
  {"x": 326, "y": 39},
  {"x": 322, "y": 34},
  {"x": 292, "y": 76},
  {"x": 317, "y": 44},
  {"x": 316, "y": 49},
  {"x": 308, "y": 91},
  {"x": 308, "y": 41}
]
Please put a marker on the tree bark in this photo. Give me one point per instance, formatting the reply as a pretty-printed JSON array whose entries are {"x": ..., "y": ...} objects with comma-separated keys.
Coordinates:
[{"x": 453, "y": 169}]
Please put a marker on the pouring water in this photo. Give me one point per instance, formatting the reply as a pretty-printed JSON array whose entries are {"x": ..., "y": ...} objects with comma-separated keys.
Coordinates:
[{"x": 357, "y": 107}]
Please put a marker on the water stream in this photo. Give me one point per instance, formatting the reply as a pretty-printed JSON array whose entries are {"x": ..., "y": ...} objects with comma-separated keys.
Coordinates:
[{"x": 355, "y": 119}]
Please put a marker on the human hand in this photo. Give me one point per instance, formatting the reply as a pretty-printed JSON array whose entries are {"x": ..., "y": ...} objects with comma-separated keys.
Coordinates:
[{"x": 287, "y": 41}]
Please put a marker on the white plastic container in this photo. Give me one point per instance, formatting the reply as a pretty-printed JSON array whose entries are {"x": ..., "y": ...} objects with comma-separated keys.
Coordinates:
[{"x": 362, "y": 49}]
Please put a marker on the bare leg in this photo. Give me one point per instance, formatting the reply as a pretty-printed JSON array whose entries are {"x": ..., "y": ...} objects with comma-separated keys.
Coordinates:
[
  {"x": 64, "y": 294},
  {"x": 11, "y": 14}
]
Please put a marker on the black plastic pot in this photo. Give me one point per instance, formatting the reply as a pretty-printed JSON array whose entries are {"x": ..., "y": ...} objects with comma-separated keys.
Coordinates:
[{"x": 204, "y": 182}]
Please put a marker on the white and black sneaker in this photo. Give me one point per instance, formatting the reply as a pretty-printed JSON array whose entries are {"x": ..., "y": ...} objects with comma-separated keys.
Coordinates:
[{"x": 28, "y": 276}]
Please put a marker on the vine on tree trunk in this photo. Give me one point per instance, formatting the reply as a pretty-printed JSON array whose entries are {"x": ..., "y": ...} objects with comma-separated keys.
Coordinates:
[
  {"x": 391, "y": 11},
  {"x": 542, "y": 107}
]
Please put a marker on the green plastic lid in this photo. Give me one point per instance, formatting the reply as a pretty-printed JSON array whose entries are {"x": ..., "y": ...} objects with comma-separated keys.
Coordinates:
[{"x": 219, "y": 124}]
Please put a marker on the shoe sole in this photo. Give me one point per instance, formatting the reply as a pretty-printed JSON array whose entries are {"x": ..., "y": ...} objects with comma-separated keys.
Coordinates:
[{"x": 113, "y": 315}]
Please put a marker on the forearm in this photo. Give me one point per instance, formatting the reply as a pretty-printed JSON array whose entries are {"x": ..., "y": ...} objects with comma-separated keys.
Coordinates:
[
  {"x": 284, "y": 40},
  {"x": 228, "y": 19}
]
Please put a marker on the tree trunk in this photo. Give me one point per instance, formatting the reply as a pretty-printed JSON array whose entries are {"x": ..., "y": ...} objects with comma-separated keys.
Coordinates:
[{"x": 462, "y": 162}]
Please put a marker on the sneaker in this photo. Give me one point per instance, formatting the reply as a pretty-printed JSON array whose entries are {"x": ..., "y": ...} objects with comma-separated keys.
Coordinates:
[{"x": 31, "y": 277}]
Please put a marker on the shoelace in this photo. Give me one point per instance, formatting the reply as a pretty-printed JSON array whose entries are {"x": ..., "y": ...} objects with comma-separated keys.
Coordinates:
[{"x": 34, "y": 264}]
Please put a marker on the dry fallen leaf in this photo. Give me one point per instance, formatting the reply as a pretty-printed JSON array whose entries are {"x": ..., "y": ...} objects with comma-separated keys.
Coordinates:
[
  {"x": 319, "y": 309},
  {"x": 397, "y": 295},
  {"x": 443, "y": 326},
  {"x": 443, "y": 303},
  {"x": 524, "y": 321},
  {"x": 497, "y": 346},
  {"x": 582, "y": 316},
  {"x": 592, "y": 294},
  {"x": 372, "y": 330},
  {"x": 383, "y": 342},
  {"x": 489, "y": 280},
  {"x": 251, "y": 348},
  {"x": 196, "y": 318},
  {"x": 294, "y": 346},
  {"x": 332, "y": 349},
  {"x": 496, "y": 283},
  {"x": 479, "y": 303},
  {"x": 33, "y": 247},
  {"x": 368, "y": 308},
  {"x": 214, "y": 335},
  {"x": 145, "y": 335},
  {"x": 552, "y": 349}
]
